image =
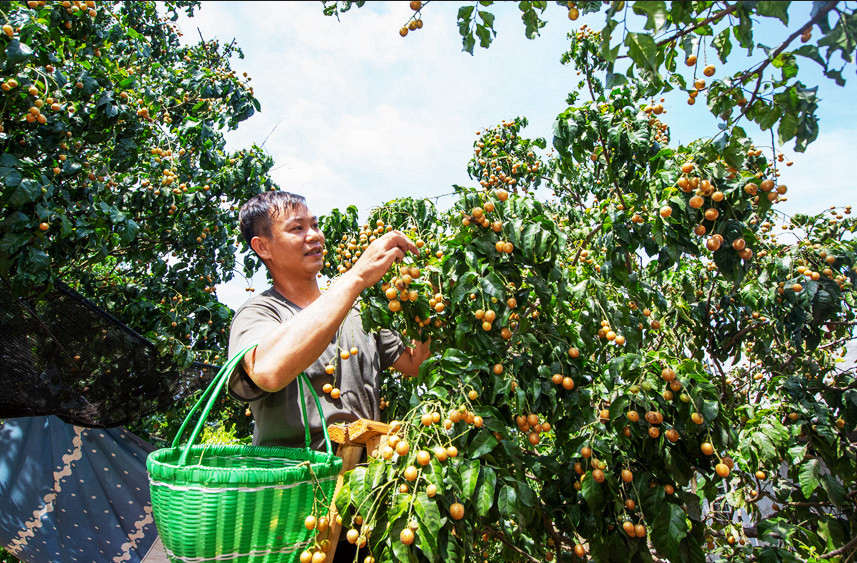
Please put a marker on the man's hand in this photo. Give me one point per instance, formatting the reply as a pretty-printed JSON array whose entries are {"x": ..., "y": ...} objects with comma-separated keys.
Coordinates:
[
  {"x": 410, "y": 360},
  {"x": 379, "y": 256}
]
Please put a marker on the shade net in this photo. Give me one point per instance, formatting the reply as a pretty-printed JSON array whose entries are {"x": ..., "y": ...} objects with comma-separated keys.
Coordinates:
[{"x": 62, "y": 355}]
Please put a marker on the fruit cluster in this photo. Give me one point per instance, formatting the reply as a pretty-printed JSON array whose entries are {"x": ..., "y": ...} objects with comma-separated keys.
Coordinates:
[
  {"x": 415, "y": 22},
  {"x": 503, "y": 160},
  {"x": 531, "y": 425}
]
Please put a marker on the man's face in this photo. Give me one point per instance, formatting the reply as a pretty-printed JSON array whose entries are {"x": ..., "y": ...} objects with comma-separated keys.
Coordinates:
[{"x": 295, "y": 243}]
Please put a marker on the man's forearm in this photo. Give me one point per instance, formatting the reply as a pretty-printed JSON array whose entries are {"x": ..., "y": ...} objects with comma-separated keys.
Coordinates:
[{"x": 295, "y": 345}]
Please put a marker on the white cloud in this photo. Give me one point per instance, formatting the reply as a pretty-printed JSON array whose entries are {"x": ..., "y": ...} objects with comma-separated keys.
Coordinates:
[
  {"x": 363, "y": 115},
  {"x": 822, "y": 176}
]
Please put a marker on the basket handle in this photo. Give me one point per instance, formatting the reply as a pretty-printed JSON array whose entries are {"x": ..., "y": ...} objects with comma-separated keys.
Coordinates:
[{"x": 211, "y": 393}]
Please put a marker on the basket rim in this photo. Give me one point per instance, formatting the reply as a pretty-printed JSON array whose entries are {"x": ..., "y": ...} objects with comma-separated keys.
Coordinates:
[{"x": 321, "y": 464}]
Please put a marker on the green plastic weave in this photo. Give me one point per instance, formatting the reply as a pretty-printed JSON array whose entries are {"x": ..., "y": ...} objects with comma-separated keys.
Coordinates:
[{"x": 238, "y": 503}]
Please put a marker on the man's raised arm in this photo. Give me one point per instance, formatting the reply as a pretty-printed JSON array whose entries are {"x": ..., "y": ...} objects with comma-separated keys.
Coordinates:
[{"x": 296, "y": 344}]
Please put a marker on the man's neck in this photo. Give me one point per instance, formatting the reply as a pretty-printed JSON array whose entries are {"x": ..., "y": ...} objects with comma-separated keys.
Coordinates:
[{"x": 300, "y": 291}]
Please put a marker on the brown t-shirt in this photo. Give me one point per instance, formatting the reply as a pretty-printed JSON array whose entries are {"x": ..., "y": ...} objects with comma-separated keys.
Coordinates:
[{"x": 277, "y": 416}]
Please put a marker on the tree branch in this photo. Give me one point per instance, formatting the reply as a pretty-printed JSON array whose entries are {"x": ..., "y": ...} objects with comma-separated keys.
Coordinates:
[
  {"x": 585, "y": 242},
  {"x": 775, "y": 53},
  {"x": 703, "y": 23},
  {"x": 603, "y": 143},
  {"x": 500, "y": 536},
  {"x": 848, "y": 546},
  {"x": 741, "y": 333}
]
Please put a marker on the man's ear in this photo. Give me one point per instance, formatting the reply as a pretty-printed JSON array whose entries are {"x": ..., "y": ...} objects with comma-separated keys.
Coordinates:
[{"x": 261, "y": 247}]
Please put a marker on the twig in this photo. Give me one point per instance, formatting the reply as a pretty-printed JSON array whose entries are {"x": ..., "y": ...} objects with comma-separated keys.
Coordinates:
[
  {"x": 274, "y": 128},
  {"x": 703, "y": 23},
  {"x": 775, "y": 53},
  {"x": 499, "y": 535},
  {"x": 557, "y": 538},
  {"x": 831, "y": 554},
  {"x": 585, "y": 242},
  {"x": 741, "y": 333}
]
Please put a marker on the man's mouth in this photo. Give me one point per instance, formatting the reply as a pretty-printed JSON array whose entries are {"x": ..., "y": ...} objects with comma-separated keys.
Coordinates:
[{"x": 314, "y": 252}]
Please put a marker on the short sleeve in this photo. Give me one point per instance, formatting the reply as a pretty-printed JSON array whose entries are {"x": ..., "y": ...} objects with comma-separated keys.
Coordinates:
[
  {"x": 249, "y": 326},
  {"x": 390, "y": 347}
]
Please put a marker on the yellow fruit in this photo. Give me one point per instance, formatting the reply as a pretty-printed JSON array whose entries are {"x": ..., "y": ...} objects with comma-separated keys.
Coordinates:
[
  {"x": 352, "y": 535},
  {"x": 411, "y": 473},
  {"x": 423, "y": 458},
  {"x": 456, "y": 510}
]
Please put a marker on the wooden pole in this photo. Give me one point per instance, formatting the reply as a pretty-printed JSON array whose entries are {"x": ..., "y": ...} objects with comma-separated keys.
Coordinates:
[{"x": 353, "y": 439}]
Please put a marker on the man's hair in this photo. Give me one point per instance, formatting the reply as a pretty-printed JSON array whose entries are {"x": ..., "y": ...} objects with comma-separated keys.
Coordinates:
[{"x": 257, "y": 214}]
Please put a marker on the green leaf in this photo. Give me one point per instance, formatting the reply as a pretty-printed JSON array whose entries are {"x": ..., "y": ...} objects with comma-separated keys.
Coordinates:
[
  {"x": 656, "y": 14},
  {"x": 788, "y": 127},
  {"x": 465, "y": 12},
  {"x": 485, "y": 491},
  {"x": 28, "y": 190},
  {"x": 401, "y": 551},
  {"x": 615, "y": 79},
  {"x": 484, "y": 35},
  {"x": 356, "y": 481},
  {"x": 10, "y": 177},
  {"x": 774, "y": 9},
  {"x": 532, "y": 22},
  {"x": 642, "y": 50},
  {"x": 593, "y": 493},
  {"x": 426, "y": 541},
  {"x": 526, "y": 495},
  {"x": 463, "y": 287},
  {"x": 449, "y": 547},
  {"x": 722, "y": 44},
  {"x": 428, "y": 513},
  {"x": 343, "y": 498},
  {"x": 669, "y": 527},
  {"x": 492, "y": 286},
  {"x": 38, "y": 263},
  {"x": 834, "y": 490},
  {"x": 487, "y": 18},
  {"x": 482, "y": 443},
  {"x": 17, "y": 52},
  {"x": 775, "y": 530},
  {"x": 808, "y": 477},
  {"x": 507, "y": 502},
  {"x": 810, "y": 52},
  {"x": 468, "y": 42},
  {"x": 469, "y": 476},
  {"x": 129, "y": 231}
]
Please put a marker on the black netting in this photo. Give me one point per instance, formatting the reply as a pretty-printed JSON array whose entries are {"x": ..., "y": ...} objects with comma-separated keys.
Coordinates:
[{"x": 60, "y": 354}]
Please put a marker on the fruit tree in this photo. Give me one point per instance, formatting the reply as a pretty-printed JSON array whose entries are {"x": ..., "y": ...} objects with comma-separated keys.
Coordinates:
[
  {"x": 638, "y": 357},
  {"x": 114, "y": 176}
]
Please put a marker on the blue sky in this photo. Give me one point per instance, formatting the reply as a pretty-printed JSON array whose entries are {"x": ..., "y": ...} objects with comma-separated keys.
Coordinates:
[{"x": 360, "y": 115}]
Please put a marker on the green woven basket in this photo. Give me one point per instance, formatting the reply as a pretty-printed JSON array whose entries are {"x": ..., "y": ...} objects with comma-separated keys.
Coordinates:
[{"x": 239, "y": 503}]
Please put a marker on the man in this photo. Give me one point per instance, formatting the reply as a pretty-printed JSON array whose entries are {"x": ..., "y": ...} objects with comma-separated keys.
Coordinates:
[{"x": 300, "y": 329}]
